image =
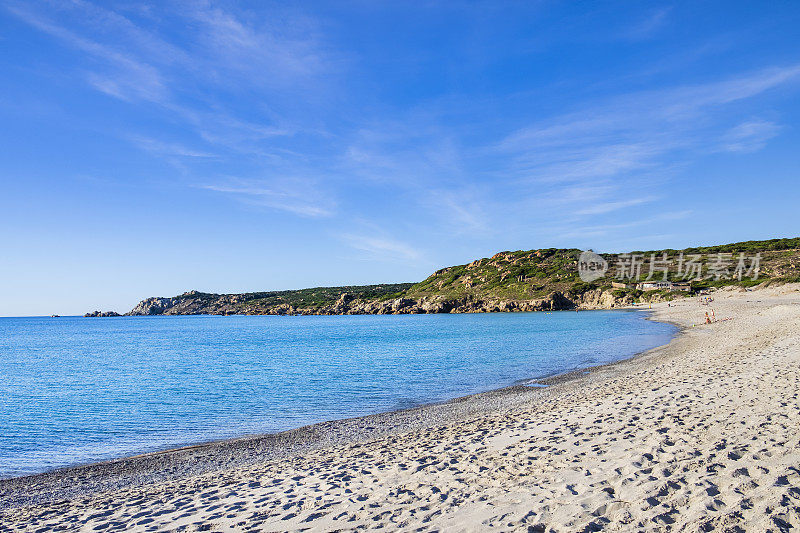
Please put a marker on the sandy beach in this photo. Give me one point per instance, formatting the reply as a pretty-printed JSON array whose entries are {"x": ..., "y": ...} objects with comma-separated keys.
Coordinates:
[{"x": 698, "y": 435}]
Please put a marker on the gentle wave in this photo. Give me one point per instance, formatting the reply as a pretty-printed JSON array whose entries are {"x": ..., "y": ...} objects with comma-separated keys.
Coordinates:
[{"x": 78, "y": 390}]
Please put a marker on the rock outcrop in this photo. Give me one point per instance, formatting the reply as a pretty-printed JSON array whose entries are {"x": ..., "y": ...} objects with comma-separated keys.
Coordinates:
[
  {"x": 197, "y": 303},
  {"x": 97, "y": 314},
  {"x": 188, "y": 303},
  {"x": 525, "y": 280},
  {"x": 193, "y": 303}
]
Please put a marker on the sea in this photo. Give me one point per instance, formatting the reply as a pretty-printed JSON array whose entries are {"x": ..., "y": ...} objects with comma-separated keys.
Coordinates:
[{"x": 77, "y": 390}]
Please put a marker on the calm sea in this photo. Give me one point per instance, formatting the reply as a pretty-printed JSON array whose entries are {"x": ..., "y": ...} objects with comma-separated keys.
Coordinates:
[{"x": 77, "y": 390}]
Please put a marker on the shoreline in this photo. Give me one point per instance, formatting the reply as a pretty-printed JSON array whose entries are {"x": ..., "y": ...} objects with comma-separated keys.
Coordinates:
[
  {"x": 696, "y": 435},
  {"x": 206, "y": 457}
]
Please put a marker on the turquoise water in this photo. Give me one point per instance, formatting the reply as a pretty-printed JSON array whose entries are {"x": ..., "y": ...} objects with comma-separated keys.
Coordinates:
[{"x": 77, "y": 390}]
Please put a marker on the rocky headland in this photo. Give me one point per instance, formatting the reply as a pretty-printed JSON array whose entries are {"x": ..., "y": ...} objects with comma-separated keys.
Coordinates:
[{"x": 530, "y": 280}]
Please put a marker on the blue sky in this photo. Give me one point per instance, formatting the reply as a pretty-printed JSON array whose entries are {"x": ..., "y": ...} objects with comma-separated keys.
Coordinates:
[{"x": 150, "y": 149}]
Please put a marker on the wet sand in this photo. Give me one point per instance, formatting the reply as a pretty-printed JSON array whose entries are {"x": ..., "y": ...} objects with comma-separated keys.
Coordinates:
[{"x": 699, "y": 435}]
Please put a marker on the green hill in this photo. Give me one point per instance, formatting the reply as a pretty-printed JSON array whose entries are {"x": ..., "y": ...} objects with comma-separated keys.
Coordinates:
[{"x": 525, "y": 280}]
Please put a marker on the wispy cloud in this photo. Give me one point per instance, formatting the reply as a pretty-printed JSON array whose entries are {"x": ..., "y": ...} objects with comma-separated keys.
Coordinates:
[
  {"x": 194, "y": 85},
  {"x": 125, "y": 76},
  {"x": 297, "y": 196},
  {"x": 632, "y": 139},
  {"x": 279, "y": 54},
  {"x": 607, "y": 207},
  {"x": 611, "y": 155},
  {"x": 749, "y": 136},
  {"x": 463, "y": 210},
  {"x": 649, "y": 25},
  {"x": 425, "y": 163},
  {"x": 168, "y": 148},
  {"x": 382, "y": 248},
  {"x": 575, "y": 162},
  {"x": 637, "y": 124},
  {"x": 227, "y": 52},
  {"x": 246, "y": 90},
  {"x": 659, "y": 220}
]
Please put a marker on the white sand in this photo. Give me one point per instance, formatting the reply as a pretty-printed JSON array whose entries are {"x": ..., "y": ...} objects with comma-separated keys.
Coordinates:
[{"x": 701, "y": 435}]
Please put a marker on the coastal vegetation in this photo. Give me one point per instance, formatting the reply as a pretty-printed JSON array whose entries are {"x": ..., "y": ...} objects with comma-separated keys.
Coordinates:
[{"x": 523, "y": 280}]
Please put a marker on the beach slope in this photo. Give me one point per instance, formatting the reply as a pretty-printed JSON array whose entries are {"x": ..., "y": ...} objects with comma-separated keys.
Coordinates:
[{"x": 699, "y": 435}]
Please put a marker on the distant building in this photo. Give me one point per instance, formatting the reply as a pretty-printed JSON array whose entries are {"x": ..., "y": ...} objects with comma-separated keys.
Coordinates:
[
  {"x": 668, "y": 285},
  {"x": 620, "y": 285},
  {"x": 654, "y": 285}
]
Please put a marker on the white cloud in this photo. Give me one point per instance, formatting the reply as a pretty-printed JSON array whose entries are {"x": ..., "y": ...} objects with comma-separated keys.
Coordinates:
[
  {"x": 607, "y": 207},
  {"x": 650, "y": 25},
  {"x": 587, "y": 162},
  {"x": 382, "y": 248},
  {"x": 618, "y": 152},
  {"x": 749, "y": 136},
  {"x": 610, "y": 155},
  {"x": 461, "y": 210},
  {"x": 275, "y": 53},
  {"x": 604, "y": 230},
  {"x": 168, "y": 148},
  {"x": 607, "y": 155},
  {"x": 297, "y": 196},
  {"x": 137, "y": 65},
  {"x": 126, "y": 77}
]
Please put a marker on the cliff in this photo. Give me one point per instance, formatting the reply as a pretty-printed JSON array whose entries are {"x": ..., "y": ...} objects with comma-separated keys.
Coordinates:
[{"x": 532, "y": 280}]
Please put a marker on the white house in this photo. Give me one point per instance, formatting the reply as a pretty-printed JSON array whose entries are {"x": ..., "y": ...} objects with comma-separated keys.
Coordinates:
[{"x": 655, "y": 285}]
